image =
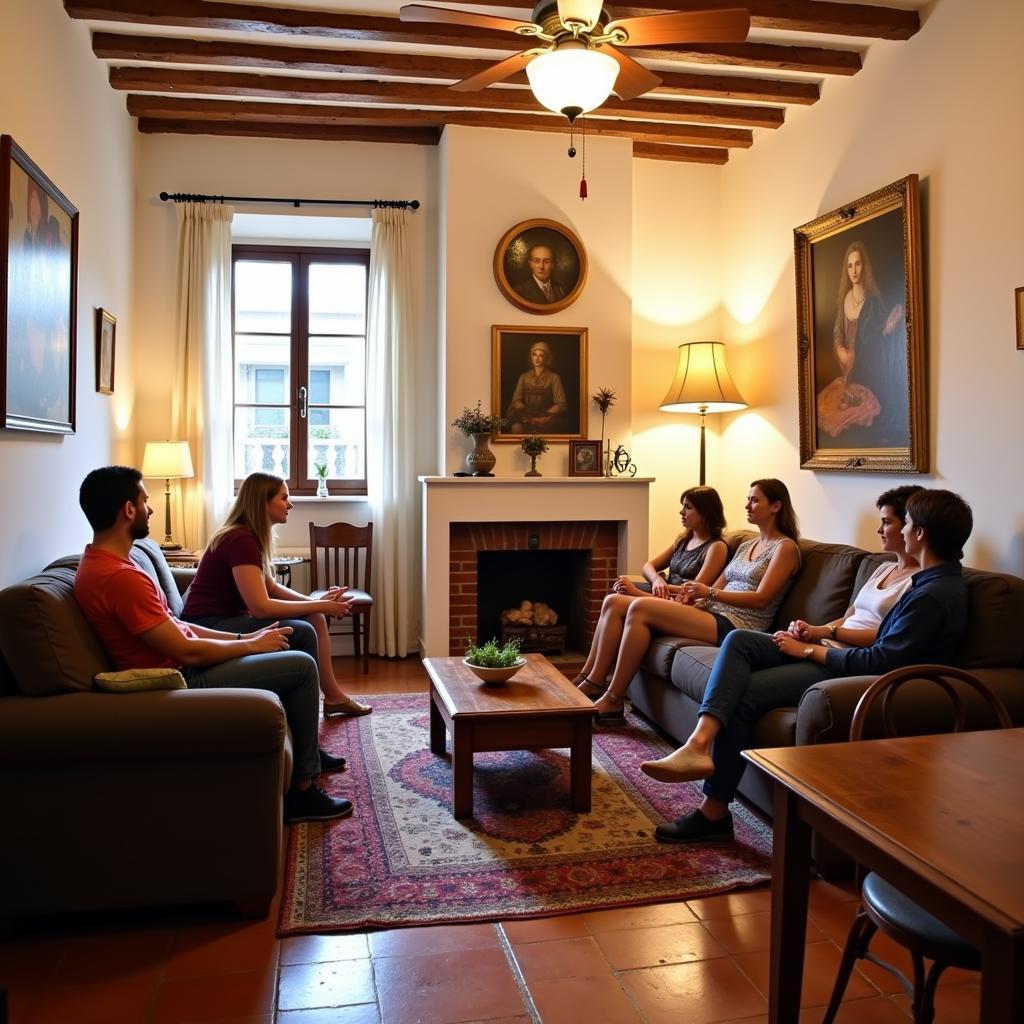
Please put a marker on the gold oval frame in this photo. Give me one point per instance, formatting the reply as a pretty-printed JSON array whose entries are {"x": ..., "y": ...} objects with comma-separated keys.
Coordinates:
[{"x": 568, "y": 239}]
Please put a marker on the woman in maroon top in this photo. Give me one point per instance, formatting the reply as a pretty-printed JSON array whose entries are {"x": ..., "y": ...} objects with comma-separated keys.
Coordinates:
[{"x": 235, "y": 588}]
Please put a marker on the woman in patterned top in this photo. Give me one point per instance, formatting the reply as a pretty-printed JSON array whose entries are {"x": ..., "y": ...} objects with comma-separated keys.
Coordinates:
[
  {"x": 698, "y": 553},
  {"x": 745, "y": 596}
]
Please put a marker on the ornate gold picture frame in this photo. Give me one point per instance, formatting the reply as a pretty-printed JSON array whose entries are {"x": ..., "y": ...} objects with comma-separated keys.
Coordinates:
[
  {"x": 860, "y": 335},
  {"x": 540, "y": 266}
]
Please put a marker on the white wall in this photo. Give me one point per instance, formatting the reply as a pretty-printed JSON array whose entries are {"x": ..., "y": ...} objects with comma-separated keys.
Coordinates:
[{"x": 56, "y": 104}]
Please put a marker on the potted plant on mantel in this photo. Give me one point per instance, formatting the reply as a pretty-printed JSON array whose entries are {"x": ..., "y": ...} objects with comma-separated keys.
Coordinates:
[
  {"x": 480, "y": 426},
  {"x": 534, "y": 446}
]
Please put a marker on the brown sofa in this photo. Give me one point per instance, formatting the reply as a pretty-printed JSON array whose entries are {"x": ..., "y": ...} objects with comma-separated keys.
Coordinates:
[
  {"x": 126, "y": 800},
  {"x": 670, "y": 683}
]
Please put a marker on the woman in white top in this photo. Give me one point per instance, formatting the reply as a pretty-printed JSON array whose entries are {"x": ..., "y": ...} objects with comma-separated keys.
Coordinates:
[{"x": 857, "y": 628}]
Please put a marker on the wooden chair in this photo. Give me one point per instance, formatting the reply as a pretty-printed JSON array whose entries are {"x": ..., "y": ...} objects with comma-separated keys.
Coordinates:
[
  {"x": 340, "y": 555},
  {"x": 883, "y": 907}
]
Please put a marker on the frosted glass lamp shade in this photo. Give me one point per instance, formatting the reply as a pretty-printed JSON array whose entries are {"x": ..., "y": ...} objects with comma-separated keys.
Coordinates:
[{"x": 572, "y": 79}]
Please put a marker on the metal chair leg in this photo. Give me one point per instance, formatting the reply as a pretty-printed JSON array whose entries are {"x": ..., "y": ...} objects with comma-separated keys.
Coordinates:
[
  {"x": 924, "y": 995},
  {"x": 861, "y": 932}
]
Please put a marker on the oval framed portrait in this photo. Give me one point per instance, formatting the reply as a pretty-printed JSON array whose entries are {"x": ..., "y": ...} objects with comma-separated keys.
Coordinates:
[{"x": 540, "y": 266}]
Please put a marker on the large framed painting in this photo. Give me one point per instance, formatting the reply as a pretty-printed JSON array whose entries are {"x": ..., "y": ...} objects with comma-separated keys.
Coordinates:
[
  {"x": 863, "y": 399},
  {"x": 540, "y": 266},
  {"x": 38, "y": 295},
  {"x": 539, "y": 382}
]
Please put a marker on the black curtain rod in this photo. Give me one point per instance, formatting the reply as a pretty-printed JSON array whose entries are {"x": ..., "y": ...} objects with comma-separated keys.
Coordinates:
[{"x": 377, "y": 204}]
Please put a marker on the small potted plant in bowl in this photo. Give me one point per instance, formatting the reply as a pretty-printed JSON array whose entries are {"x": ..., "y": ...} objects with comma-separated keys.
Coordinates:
[
  {"x": 321, "y": 479},
  {"x": 491, "y": 663},
  {"x": 480, "y": 426},
  {"x": 534, "y": 446}
]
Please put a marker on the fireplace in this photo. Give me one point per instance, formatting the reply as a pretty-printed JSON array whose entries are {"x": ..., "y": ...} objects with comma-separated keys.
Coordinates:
[{"x": 568, "y": 565}]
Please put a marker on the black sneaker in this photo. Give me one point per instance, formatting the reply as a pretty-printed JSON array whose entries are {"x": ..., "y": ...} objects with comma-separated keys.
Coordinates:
[
  {"x": 695, "y": 828},
  {"x": 314, "y": 804},
  {"x": 330, "y": 762}
]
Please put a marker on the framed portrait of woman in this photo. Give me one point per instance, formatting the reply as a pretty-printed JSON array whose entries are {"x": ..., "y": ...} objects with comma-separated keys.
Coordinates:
[
  {"x": 539, "y": 381},
  {"x": 39, "y": 240},
  {"x": 860, "y": 340},
  {"x": 540, "y": 266}
]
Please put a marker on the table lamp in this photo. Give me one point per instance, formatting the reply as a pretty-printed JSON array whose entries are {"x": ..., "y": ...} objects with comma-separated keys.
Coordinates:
[
  {"x": 702, "y": 384},
  {"x": 172, "y": 461}
]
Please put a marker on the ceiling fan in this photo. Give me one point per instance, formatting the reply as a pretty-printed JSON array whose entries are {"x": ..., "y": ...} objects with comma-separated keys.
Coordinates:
[{"x": 580, "y": 62}]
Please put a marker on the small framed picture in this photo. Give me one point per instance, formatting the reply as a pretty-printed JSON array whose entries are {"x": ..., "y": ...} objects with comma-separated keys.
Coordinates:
[
  {"x": 1020, "y": 318},
  {"x": 540, "y": 266},
  {"x": 106, "y": 335},
  {"x": 585, "y": 458}
]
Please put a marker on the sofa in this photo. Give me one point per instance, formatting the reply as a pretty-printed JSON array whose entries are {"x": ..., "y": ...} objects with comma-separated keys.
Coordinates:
[
  {"x": 670, "y": 683},
  {"x": 127, "y": 799}
]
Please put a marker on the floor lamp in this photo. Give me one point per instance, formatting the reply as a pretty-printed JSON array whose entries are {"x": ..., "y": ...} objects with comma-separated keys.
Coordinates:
[
  {"x": 171, "y": 460},
  {"x": 702, "y": 384}
]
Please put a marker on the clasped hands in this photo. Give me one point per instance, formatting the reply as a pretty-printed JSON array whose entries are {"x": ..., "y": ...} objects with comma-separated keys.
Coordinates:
[
  {"x": 794, "y": 640},
  {"x": 336, "y": 595},
  {"x": 691, "y": 592}
]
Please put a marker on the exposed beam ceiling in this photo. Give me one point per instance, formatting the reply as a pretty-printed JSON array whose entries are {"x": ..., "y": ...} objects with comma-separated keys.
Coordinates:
[{"x": 200, "y": 66}]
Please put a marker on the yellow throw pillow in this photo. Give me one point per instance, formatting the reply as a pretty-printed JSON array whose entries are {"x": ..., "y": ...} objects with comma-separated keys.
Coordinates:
[{"x": 135, "y": 680}]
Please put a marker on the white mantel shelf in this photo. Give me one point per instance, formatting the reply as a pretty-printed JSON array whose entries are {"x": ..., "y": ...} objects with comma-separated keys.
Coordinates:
[{"x": 517, "y": 499}]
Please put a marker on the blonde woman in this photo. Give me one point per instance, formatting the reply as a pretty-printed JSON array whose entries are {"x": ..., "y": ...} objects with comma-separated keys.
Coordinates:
[{"x": 235, "y": 589}]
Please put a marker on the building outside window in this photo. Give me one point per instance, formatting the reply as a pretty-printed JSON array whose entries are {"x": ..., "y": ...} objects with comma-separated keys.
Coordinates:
[{"x": 299, "y": 353}]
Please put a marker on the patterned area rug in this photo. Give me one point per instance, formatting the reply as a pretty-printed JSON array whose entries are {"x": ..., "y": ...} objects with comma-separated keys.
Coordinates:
[{"x": 402, "y": 859}]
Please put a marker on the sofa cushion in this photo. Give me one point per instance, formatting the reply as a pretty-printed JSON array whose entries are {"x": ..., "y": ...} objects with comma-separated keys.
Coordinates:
[
  {"x": 995, "y": 614},
  {"x": 822, "y": 588},
  {"x": 146, "y": 554},
  {"x": 44, "y": 637},
  {"x": 691, "y": 668}
]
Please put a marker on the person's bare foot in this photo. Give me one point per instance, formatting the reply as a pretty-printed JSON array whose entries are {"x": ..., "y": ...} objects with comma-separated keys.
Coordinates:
[{"x": 683, "y": 765}]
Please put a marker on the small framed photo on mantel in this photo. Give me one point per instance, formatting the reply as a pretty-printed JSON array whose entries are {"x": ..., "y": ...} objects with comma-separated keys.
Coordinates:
[{"x": 585, "y": 458}]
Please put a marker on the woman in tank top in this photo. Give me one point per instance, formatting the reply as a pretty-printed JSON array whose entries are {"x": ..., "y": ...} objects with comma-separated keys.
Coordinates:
[
  {"x": 698, "y": 553},
  {"x": 746, "y": 595}
]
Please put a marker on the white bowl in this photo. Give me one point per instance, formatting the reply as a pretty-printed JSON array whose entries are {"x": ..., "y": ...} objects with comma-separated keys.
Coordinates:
[{"x": 495, "y": 675}]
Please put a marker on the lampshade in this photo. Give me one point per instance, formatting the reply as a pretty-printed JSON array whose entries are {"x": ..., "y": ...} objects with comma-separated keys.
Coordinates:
[
  {"x": 167, "y": 459},
  {"x": 702, "y": 382},
  {"x": 572, "y": 79}
]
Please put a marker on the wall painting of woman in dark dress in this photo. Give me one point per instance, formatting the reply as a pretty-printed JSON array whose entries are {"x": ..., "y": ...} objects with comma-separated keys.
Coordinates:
[{"x": 861, "y": 335}]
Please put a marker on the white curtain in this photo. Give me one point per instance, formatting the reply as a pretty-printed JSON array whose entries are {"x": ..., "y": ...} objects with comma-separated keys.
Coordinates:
[
  {"x": 201, "y": 399},
  {"x": 389, "y": 441}
]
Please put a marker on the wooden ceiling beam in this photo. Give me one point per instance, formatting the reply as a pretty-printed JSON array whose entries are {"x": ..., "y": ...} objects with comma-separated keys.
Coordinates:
[
  {"x": 179, "y": 108},
  {"x": 219, "y": 83},
  {"x": 227, "y": 53},
  {"x": 279, "y": 130},
  {"x": 680, "y": 154},
  {"x": 834, "y": 19},
  {"x": 215, "y": 15}
]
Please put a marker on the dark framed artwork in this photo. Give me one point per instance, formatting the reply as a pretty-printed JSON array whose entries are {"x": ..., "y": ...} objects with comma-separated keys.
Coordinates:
[
  {"x": 539, "y": 381},
  {"x": 863, "y": 399},
  {"x": 540, "y": 266},
  {"x": 38, "y": 296},
  {"x": 585, "y": 458},
  {"x": 1019, "y": 295},
  {"x": 106, "y": 335}
]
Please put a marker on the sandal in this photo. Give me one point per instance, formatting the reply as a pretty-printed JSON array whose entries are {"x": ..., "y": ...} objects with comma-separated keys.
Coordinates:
[
  {"x": 348, "y": 706},
  {"x": 617, "y": 714},
  {"x": 588, "y": 687}
]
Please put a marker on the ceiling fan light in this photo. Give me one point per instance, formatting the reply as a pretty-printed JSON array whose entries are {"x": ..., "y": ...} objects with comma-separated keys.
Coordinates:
[{"x": 572, "y": 76}]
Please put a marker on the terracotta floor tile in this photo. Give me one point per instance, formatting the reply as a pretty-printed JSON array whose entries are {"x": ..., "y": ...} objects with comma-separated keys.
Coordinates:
[
  {"x": 748, "y": 933},
  {"x": 563, "y": 958},
  {"x": 319, "y": 949},
  {"x": 338, "y": 983},
  {"x": 698, "y": 993},
  {"x": 501, "y": 1020},
  {"x": 456, "y": 986},
  {"x": 833, "y": 920},
  {"x": 364, "y": 1013},
  {"x": 880, "y": 1010},
  {"x": 650, "y": 916},
  {"x": 746, "y": 901},
  {"x": 594, "y": 1000},
  {"x": 31, "y": 960},
  {"x": 123, "y": 1000},
  {"x": 214, "y": 997},
  {"x": 544, "y": 929},
  {"x": 104, "y": 957},
  {"x": 959, "y": 1004},
  {"x": 652, "y": 947},
  {"x": 223, "y": 948},
  {"x": 822, "y": 893},
  {"x": 821, "y": 961},
  {"x": 445, "y": 938}
]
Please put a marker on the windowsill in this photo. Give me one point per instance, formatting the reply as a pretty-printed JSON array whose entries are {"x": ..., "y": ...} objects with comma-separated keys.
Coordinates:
[{"x": 312, "y": 499}]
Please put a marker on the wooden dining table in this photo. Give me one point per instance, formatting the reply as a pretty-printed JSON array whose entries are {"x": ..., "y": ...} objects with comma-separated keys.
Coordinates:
[{"x": 939, "y": 817}]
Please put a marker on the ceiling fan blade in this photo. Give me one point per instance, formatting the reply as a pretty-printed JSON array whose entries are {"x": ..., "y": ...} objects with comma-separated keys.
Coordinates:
[
  {"x": 448, "y": 16},
  {"x": 634, "y": 79},
  {"x": 585, "y": 11},
  {"x": 726, "y": 26},
  {"x": 496, "y": 72}
]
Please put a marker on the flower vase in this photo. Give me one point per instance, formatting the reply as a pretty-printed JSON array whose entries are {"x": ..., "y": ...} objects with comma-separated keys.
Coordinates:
[
  {"x": 533, "y": 467},
  {"x": 480, "y": 461},
  {"x": 321, "y": 488}
]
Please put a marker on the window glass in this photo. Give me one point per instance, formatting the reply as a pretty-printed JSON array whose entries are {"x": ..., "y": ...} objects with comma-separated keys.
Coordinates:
[
  {"x": 337, "y": 298},
  {"x": 263, "y": 297}
]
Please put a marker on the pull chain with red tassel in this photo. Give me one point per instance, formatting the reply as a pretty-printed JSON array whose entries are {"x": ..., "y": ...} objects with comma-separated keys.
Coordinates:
[{"x": 583, "y": 148}]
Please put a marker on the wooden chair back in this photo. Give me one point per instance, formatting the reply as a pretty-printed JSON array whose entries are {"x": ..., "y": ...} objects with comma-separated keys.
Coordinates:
[{"x": 340, "y": 555}]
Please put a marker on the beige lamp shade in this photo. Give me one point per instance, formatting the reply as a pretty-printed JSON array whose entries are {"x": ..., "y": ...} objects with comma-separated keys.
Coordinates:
[
  {"x": 168, "y": 459},
  {"x": 702, "y": 382}
]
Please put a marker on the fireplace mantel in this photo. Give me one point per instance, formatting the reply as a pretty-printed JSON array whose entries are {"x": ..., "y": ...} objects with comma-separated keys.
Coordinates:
[{"x": 548, "y": 499}]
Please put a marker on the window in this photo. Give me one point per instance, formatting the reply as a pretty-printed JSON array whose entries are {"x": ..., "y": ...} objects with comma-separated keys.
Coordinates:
[{"x": 299, "y": 350}]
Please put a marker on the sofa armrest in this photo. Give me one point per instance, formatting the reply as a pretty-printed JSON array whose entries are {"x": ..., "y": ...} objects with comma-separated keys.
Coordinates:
[
  {"x": 826, "y": 710},
  {"x": 182, "y": 576},
  {"x": 93, "y": 727}
]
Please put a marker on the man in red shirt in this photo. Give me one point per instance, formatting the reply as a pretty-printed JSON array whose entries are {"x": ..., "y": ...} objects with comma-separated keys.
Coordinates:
[{"x": 131, "y": 617}]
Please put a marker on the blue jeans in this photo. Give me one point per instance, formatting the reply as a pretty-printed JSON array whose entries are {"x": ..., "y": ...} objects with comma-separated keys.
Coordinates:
[
  {"x": 749, "y": 678},
  {"x": 293, "y": 676}
]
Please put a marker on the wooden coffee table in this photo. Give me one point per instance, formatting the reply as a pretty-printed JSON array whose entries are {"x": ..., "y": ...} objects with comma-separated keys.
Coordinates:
[{"x": 535, "y": 710}]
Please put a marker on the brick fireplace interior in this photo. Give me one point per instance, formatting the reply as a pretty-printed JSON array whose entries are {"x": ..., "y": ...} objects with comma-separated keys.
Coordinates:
[{"x": 568, "y": 565}]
